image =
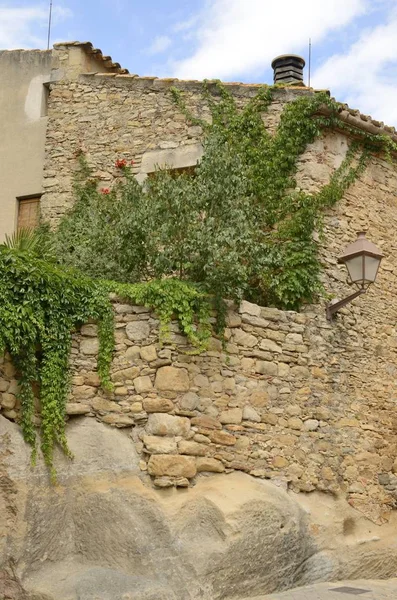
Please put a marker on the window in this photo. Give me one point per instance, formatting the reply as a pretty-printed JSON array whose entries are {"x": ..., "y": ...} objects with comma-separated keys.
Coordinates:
[
  {"x": 28, "y": 212},
  {"x": 176, "y": 172}
]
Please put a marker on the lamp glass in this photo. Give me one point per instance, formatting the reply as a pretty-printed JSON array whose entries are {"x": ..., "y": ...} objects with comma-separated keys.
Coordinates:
[
  {"x": 355, "y": 267},
  {"x": 371, "y": 268},
  {"x": 363, "y": 268}
]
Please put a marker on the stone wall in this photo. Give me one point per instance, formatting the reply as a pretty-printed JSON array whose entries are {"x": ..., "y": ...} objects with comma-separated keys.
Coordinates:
[
  {"x": 111, "y": 116},
  {"x": 306, "y": 403},
  {"x": 288, "y": 399}
]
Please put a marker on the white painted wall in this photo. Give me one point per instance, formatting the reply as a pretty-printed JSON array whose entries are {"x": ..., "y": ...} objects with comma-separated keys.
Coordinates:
[{"x": 22, "y": 129}]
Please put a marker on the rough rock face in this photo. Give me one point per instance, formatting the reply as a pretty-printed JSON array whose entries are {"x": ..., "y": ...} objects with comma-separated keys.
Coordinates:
[{"x": 103, "y": 534}]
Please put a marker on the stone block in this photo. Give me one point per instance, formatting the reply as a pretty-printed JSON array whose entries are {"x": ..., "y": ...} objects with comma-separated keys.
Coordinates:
[
  {"x": 270, "y": 346},
  {"x": 158, "y": 405},
  {"x": 172, "y": 465},
  {"x": 232, "y": 416},
  {"x": 7, "y": 400},
  {"x": 118, "y": 420},
  {"x": 192, "y": 448},
  {"x": 249, "y": 308},
  {"x": 103, "y": 405},
  {"x": 89, "y": 346},
  {"x": 223, "y": 438},
  {"x": 242, "y": 338},
  {"x": 210, "y": 465},
  {"x": 259, "y": 398},
  {"x": 172, "y": 379},
  {"x": 293, "y": 338},
  {"x": 4, "y": 385},
  {"x": 265, "y": 367},
  {"x": 189, "y": 401},
  {"x": 126, "y": 374},
  {"x": 132, "y": 353},
  {"x": 75, "y": 408},
  {"x": 137, "y": 331},
  {"x": 160, "y": 445},
  {"x": 206, "y": 422},
  {"x": 279, "y": 462},
  {"x": 143, "y": 384},
  {"x": 167, "y": 425},
  {"x": 148, "y": 353},
  {"x": 84, "y": 392},
  {"x": 250, "y": 414},
  {"x": 89, "y": 330}
]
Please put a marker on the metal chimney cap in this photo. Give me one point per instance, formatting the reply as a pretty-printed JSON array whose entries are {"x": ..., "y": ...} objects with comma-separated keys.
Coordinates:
[{"x": 288, "y": 56}]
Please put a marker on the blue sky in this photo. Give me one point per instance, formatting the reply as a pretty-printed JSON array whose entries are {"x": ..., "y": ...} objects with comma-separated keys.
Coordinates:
[{"x": 354, "y": 41}]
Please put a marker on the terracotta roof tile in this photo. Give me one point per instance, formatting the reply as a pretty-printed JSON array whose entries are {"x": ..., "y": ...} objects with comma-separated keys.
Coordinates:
[{"x": 97, "y": 53}]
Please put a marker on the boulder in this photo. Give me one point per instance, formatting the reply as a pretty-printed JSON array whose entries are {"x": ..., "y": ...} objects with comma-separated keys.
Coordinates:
[{"x": 105, "y": 533}]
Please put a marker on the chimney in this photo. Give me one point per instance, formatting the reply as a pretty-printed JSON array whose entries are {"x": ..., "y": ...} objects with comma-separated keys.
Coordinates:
[{"x": 288, "y": 68}]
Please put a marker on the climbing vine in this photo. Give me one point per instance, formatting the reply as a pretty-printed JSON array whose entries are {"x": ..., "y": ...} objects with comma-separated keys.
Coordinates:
[
  {"x": 240, "y": 227},
  {"x": 41, "y": 304}
]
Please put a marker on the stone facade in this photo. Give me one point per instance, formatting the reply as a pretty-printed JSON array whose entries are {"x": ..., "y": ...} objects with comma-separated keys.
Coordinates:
[
  {"x": 290, "y": 398},
  {"x": 307, "y": 404}
]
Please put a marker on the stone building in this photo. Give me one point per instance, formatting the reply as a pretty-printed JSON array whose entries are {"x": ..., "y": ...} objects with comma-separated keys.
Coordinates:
[{"x": 306, "y": 404}]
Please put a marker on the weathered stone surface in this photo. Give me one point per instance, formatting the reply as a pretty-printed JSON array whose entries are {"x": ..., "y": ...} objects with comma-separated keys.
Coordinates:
[
  {"x": 192, "y": 448},
  {"x": 143, "y": 384},
  {"x": 126, "y": 374},
  {"x": 210, "y": 465},
  {"x": 89, "y": 346},
  {"x": 172, "y": 379},
  {"x": 189, "y": 401},
  {"x": 157, "y": 405},
  {"x": 250, "y": 309},
  {"x": 172, "y": 465},
  {"x": 250, "y": 414},
  {"x": 148, "y": 353},
  {"x": 266, "y": 367},
  {"x": 164, "y": 424},
  {"x": 243, "y": 338},
  {"x": 7, "y": 400},
  {"x": 234, "y": 415},
  {"x": 259, "y": 398},
  {"x": 213, "y": 536},
  {"x": 160, "y": 445},
  {"x": 89, "y": 330},
  {"x": 206, "y": 422},
  {"x": 75, "y": 408},
  {"x": 137, "y": 331},
  {"x": 221, "y": 437}
]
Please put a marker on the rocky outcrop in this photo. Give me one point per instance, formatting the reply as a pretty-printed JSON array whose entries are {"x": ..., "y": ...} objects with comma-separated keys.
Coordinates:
[{"x": 104, "y": 533}]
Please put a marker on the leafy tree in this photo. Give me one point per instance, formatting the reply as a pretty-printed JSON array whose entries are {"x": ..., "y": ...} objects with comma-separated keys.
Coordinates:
[{"x": 238, "y": 228}]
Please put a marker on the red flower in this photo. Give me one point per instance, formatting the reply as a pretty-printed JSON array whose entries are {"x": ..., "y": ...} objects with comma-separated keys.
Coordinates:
[
  {"x": 105, "y": 191},
  {"x": 120, "y": 163}
]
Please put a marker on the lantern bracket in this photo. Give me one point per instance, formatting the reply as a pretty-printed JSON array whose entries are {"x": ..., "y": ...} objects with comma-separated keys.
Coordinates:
[{"x": 333, "y": 308}]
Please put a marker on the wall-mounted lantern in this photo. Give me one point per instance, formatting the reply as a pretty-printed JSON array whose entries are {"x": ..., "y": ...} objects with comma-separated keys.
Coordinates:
[{"x": 362, "y": 260}]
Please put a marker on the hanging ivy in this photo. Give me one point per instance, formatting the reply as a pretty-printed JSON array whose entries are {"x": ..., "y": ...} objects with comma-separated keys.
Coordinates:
[
  {"x": 286, "y": 269},
  {"x": 41, "y": 304}
]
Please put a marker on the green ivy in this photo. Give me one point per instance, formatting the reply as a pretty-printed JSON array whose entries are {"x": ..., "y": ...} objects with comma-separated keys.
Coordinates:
[
  {"x": 286, "y": 269},
  {"x": 41, "y": 304}
]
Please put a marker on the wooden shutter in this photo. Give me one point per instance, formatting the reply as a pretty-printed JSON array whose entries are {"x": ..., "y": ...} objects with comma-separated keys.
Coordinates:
[{"x": 28, "y": 213}]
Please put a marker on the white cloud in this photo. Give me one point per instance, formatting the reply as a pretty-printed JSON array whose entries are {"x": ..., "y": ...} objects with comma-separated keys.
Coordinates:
[
  {"x": 26, "y": 27},
  {"x": 366, "y": 76},
  {"x": 241, "y": 37},
  {"x": 160, "y": 44}
]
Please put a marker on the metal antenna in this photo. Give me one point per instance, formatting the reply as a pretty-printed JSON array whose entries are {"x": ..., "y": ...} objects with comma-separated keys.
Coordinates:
[
  {"x": 310, "y": 58},
  {"x": 49, "y": 26}
]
